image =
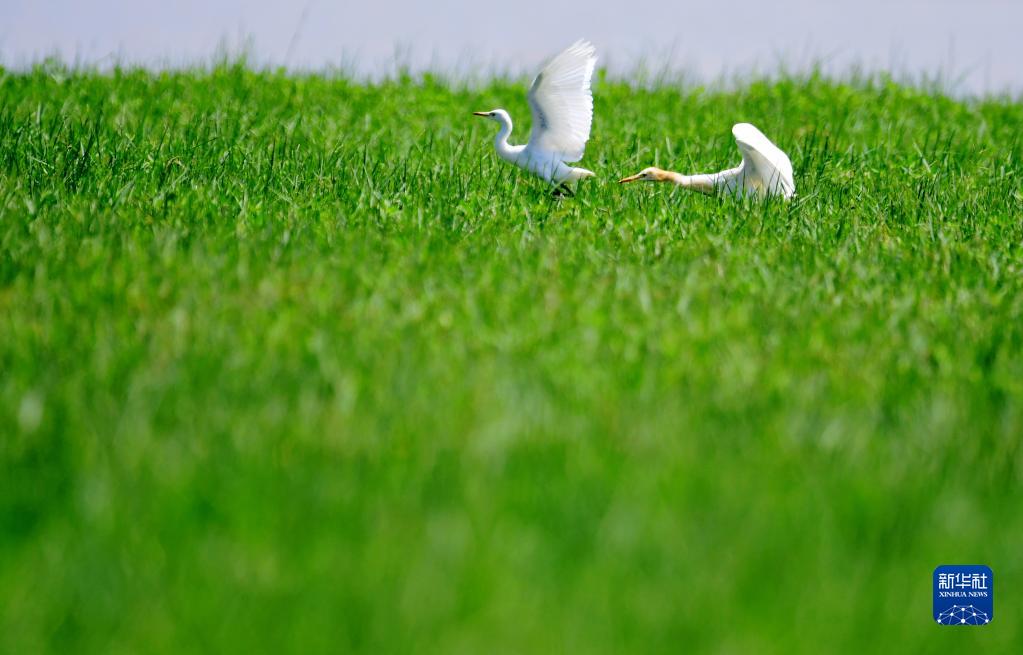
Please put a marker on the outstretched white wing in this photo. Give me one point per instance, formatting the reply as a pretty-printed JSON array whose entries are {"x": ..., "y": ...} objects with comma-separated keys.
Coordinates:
[
  {"x": 562, "y": 103},
  {"x": 764, "y": 160}
]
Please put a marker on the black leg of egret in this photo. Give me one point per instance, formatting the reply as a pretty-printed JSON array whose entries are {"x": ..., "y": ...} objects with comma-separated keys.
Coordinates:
[{"x": 563, "y": 190}]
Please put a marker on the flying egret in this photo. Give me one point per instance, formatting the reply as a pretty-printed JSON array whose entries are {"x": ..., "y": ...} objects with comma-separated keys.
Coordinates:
[
  {"x": 765, "y": 170},
  {"x": 562, "y": 108}
]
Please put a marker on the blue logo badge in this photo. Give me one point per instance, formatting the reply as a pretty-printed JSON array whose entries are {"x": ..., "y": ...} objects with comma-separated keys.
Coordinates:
[{"x": 964, "y": 595}]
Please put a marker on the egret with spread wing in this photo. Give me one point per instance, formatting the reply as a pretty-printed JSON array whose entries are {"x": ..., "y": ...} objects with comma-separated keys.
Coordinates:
[
  {"x": 765, "y": 170},
  {"x": 562, "y": 107}
]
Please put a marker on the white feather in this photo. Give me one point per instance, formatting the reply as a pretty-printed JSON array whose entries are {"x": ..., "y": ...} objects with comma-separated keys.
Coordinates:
[
  {"x": 765, "y": 168},
  {"x": 562, "y": 104}
]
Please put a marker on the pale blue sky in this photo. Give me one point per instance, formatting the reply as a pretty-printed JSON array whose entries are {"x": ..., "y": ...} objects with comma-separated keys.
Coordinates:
[{"x": 975, "y": 42}]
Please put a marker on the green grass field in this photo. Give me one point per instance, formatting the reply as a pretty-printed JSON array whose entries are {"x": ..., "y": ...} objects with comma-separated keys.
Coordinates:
[{"x": 295, "y": 364}]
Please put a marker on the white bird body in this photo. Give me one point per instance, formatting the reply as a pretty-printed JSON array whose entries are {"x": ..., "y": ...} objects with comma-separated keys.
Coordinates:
[
  {"x": 765, "y": 170},
  {"x": 562, "y": 107}
]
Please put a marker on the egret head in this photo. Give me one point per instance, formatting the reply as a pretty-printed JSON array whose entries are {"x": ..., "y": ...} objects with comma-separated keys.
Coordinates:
[
  {"x": 499, "y": 115},
  {"x": 651, "y": 174}
]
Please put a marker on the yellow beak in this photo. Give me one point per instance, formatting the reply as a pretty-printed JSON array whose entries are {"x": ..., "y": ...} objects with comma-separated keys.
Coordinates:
[
  {"x": 484, "y": 114},
  {"x": 631, "y": 178}
]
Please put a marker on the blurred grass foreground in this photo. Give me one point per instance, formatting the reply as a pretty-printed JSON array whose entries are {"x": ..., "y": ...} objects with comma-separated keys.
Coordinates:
[{"x": 293, "y": 364}]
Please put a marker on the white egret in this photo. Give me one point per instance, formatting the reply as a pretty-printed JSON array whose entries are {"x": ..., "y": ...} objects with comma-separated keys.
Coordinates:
[
  {"x": 765, "y": 170},
  {"x": 562, "y": 108}
]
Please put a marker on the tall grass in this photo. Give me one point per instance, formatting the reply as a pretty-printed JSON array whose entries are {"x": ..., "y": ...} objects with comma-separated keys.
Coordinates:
[{"x": 290, "y": 363}]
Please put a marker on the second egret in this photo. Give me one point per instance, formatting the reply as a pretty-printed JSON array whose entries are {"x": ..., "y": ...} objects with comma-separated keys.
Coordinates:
[{"x": 765, "y": 170}]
